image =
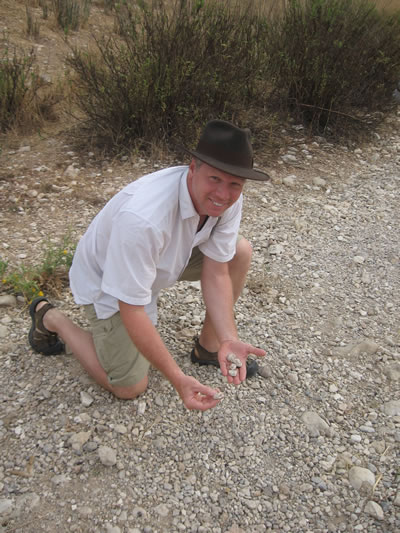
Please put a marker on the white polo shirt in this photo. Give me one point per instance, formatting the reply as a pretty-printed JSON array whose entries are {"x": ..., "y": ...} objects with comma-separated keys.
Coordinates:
[{"x": 142, "y": 240}]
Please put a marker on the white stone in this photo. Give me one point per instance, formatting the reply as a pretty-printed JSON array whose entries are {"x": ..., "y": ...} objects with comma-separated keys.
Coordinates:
[
  {"x": 107, "y": 456},
  {"x": 86, "y": 399},
  {"x": 8, "y": 300},
  {"x": 77, "y": 440},
  {"x": 391, "y": 408},
  {"x": 374, "y": 509},
  {"x": 315, "y": 424},
  {"x": 359, "y": 475}
]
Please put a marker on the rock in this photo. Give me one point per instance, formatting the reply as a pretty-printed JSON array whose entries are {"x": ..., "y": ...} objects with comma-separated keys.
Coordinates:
[
  {"x": 391, "y": 408},
  {"x": 289, "y": 181},
  {"x": 319, "y": 182},
  {"x": 375, "y": 510},
  {"x": 141, "y": 408},
  {"x": 60, "y": 479},
  {"x": 162, "y": 510},
  {"x": 86, "y": 399},
  {"x": 6, "y": 507},
  {"x": 315, "y": 424},
  {"x": 107, "y": 456},
  {"x": 3, "y": 331},
  {"x": 265, "y": 371},
  {"x": 397, "y": 500},
  {"x": 8, "y": 300},
  {"x": 71, "y": 172},
  {"x": 359, "y": 259},
  {"x": 392, "y": 372},
  {"x": 289, "y": 158},
  {"x": 77, "y": 440},
  {"x": 359, "y": 475},
  {"x": 276, "y": 249}
]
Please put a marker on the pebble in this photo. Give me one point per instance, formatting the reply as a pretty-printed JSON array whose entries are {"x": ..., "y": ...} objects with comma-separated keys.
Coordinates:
[
  {"x": 86, "y": 399},
  {"x": 359, "y": 475},
  {"x": 375, "y": 510},
  {"x": 107, "y": 455},
  {"x": 315, "y": 424},
  {"x": 391, "y": 408},
  {"x": 8, "y": 300}
]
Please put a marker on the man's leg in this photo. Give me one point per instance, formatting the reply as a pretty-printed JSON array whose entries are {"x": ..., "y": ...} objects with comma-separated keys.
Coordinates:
[
  {"x": 238, "y": 268},
  {"x": 81, "y": 344}
]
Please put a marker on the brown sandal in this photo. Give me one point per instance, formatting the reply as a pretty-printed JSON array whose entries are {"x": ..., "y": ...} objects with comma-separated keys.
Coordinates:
[
  {"x": 202, "y": 356},
  {"x": 41, "y": 339}
]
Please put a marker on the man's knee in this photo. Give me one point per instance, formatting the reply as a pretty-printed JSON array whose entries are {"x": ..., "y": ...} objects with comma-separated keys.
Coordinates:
[
  {"x": 242, "y": 258},
  {"x": 132, "y": 391}
]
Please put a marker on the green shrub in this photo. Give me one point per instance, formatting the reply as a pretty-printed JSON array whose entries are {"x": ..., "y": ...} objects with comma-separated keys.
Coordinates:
[
  {"x": 17, "y": 79},
  {"x": 172, "y": 66},
  {"x": 26, "y": 99},
  {"x": 327, "y": 57},
  {"x": 51, "y": 275},
  {"x": 71, "y": 14}
]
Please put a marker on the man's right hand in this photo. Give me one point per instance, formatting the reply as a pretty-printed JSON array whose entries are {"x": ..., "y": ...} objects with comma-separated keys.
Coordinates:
[{"x": 195, "y": 395}]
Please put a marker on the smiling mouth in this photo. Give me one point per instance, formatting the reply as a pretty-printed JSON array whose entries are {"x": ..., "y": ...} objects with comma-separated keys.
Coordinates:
[{"x": 216, "y": 203}]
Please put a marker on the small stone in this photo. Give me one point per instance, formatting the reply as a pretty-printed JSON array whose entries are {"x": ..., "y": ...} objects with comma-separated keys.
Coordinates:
[
  {"x": 218, "y": 396},
  {"x": 162, "y": 510},
  {"x": 276, "y": 249},
  {"x": 391, "y": 408},
  {"x": 232, "y": 372},
  {"x": 86, "y": 399},
  {"x": 265, "y": 371},
  {"x": 375, "y": 510},
  {"x": 121, "y": 429},
  {"x": 397, "y": 500},
  {"x": 107, "y": 456},
  {"x": 315, "y": 424},
  {"x": 8, "y": 300},
  {"x": 141, "y": 408},
  {"x": 77, "y": 440},
  {"x": 392, "y": 372},
  {"x": 319, "y": 182},
  {"x": 6, "y": 506},
  {"x": 359, "y": 259},
  {"x": 359, "y": 475}
]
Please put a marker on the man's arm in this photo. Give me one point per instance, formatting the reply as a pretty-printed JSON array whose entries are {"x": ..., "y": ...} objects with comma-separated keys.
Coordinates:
[
  {"x": 218, "y": 297},
  {"x": 147, "y": 340}
]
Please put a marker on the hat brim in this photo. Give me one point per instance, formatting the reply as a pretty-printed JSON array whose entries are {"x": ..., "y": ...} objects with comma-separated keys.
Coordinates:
[{"x": 240, "y": 172}]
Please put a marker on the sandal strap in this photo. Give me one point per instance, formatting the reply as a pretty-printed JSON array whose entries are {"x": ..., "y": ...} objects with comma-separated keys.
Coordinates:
[{"x": 39, "y": 315}]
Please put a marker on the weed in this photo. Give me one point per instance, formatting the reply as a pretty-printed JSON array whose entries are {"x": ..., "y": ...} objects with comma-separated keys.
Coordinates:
[
  {"x": 50, "y": 276},
  {"x": 32, "y": 25},
  {"x": 71, "y": 14}
]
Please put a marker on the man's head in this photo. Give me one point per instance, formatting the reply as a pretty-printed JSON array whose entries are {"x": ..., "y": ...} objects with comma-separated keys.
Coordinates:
[
  {"x": 212, "y": 191},
  {"x": 226, "y": 147}
]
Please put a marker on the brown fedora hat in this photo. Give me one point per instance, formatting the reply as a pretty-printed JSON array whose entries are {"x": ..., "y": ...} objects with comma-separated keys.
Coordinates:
[{"x": 227, "y": 147}]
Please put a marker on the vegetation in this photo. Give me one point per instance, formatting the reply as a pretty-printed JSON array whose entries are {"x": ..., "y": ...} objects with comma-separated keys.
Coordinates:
[
  {"x": 168, "y": 70},
  {"x": 71, "y": 14},
  {"x": 50, "y": 276},
  {"x": 328, "y": 58},
  {"x": 170, "y": 65}
]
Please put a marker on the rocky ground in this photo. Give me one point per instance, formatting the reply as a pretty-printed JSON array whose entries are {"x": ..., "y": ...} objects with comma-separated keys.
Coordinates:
[{"x": 309, "y": 445}]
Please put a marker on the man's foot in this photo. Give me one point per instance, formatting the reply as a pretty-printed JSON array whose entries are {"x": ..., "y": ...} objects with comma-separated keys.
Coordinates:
[
  {"x": 201, "y": 356},
  {"x": 41, "y": 339}
]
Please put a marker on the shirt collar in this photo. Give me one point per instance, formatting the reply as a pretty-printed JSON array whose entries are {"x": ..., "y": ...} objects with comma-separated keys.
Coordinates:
[{"x": 186, "y": 206}]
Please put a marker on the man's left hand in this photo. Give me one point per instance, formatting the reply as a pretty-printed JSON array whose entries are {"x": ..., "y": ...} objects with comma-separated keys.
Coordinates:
[{"x": 241, "y": 350}]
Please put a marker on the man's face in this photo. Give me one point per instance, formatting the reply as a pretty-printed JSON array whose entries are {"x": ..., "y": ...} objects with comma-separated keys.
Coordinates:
[{"x": 212, "y": 191}]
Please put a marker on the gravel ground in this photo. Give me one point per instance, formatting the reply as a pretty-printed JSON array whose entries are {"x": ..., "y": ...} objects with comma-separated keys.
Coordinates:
[{"x": 310, "y": 445}]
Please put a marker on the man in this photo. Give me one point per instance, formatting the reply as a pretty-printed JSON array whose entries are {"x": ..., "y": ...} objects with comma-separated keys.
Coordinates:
[{"x": 180, "y": 223}]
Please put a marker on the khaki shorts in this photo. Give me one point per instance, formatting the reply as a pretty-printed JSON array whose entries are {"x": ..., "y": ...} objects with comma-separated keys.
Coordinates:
[{"x": 119, "y": 357}]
